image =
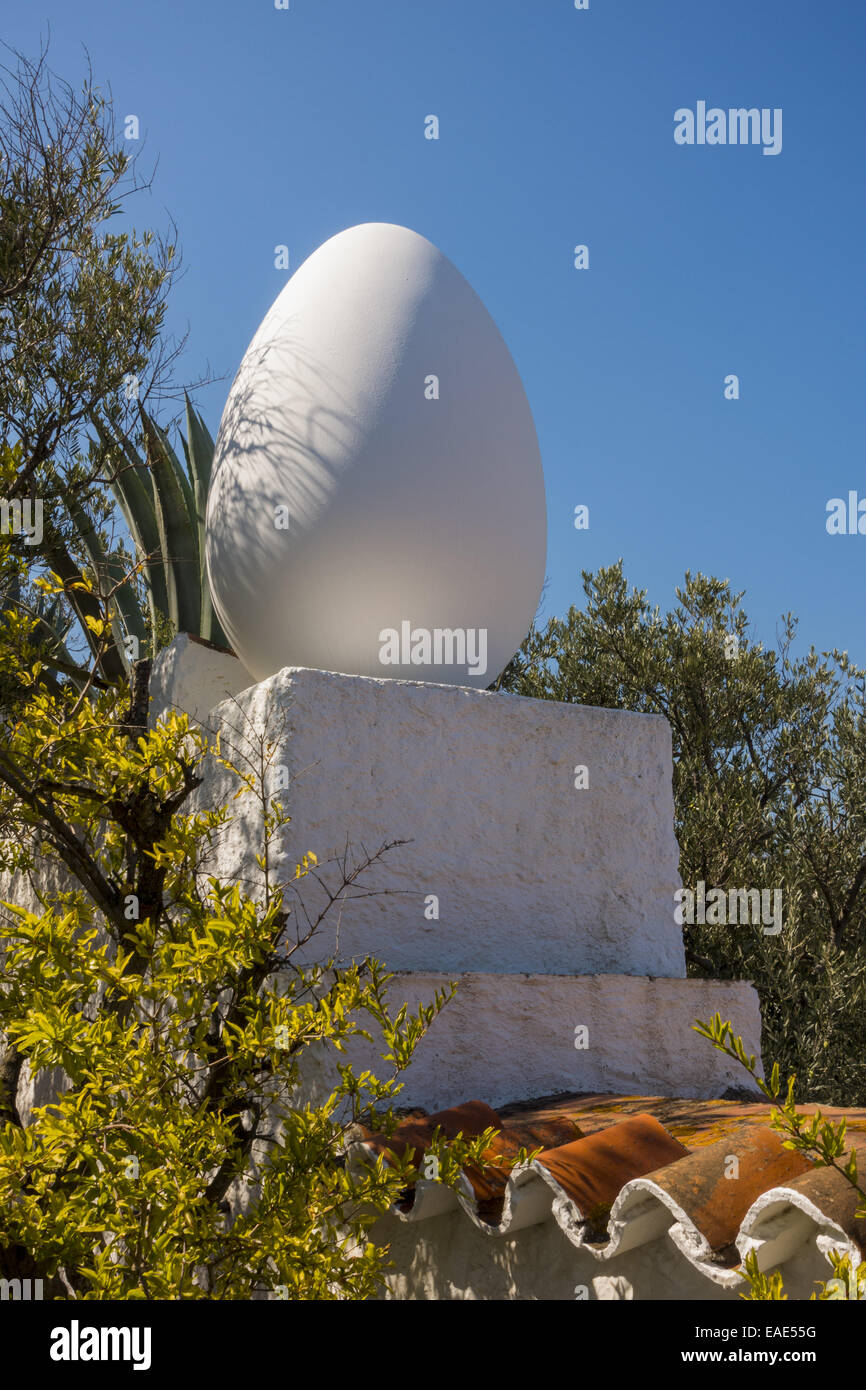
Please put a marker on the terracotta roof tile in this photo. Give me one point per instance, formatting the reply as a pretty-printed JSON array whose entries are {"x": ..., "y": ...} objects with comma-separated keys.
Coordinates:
[
  {"x": 714, "y": 1186},
  {"x": 469, "y": 1119},
  {"x": 828, "y": 1207},
  {"x": 593, "y": 1170},
  {"x": 616, "y": 1172},
  {"x": 489, "y": 1184}
]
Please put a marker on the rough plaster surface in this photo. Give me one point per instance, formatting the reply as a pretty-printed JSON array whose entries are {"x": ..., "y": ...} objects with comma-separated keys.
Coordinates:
[
  {"x": 193, "y": 676},
  {"x": 531, "y": 874},
  {"x": 512, "y": 1037},
  {"x": 555, "y": 904},
  {"x": 447, "y": 1257}
]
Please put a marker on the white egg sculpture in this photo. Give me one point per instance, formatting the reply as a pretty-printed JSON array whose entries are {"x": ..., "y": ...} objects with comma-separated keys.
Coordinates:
[{"x": 377, "y": 498}]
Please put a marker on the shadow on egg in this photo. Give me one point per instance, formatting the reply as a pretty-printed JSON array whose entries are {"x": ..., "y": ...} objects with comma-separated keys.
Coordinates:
[{"x": 352, "y": 499}]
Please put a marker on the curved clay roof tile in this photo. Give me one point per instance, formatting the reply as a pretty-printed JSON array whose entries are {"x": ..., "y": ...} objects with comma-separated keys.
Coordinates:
[
  {"x": 592, "y": 1171},
  {"x": 715, "y": 1186}
]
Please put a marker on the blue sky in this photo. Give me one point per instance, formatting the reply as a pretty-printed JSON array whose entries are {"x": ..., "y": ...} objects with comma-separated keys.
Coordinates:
[{"x": 556, "y": 128}]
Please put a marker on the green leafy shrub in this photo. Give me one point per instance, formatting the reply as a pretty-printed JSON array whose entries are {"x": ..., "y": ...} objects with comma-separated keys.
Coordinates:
[{"x": 769, "y": 792}]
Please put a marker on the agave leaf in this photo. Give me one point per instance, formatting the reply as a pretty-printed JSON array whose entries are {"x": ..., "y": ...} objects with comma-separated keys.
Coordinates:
[
  {"x": 46, "y": 634},
  {"x": 54, "y": 653},
  {"x": 164, "y": 507},
  {"x": 199, "y": 450},
  {"x": 179, "y": 473},
  {"x": 135, "y": 503},
  {"x": 112, "y": 661},
  {"x": 120, "y": 441},
  {"x": 176, "y": 536},
  {"x": 125, "y": 602}
]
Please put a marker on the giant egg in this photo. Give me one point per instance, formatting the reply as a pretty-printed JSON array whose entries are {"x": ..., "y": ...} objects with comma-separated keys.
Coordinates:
[{"x": 377, "y": 498}]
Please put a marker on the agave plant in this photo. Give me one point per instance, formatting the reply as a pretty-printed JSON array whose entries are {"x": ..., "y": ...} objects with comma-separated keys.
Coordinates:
[
  {"x": 110, "y": 571},
  {"x": 163, "y": 505}
]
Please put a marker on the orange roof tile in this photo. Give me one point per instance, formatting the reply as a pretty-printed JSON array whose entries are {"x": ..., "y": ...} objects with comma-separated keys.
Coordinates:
[{"x": 617, "y": 1171}]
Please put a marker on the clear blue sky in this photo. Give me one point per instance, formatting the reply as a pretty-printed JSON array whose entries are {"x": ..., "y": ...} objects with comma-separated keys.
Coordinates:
[{"x": 556, "y": 129}]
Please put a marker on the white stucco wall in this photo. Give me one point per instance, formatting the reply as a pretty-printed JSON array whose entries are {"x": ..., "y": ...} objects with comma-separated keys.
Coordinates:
[
  {"x": 504, "y": 1038},
  {"x": 192, "y": 676},
  {"x": 530, "y": 874},
  {"x": 512, "y": 1037},
  {"x": 551, "y": 900},
  {"x": 449, "y": 1257}
]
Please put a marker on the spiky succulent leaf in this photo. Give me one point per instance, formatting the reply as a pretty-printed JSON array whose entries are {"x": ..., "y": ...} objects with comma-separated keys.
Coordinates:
[
  {"x": 177, "y": 536},
  {"x": 164, "y": 507},
  {"x": 199, "y": 450},
  {"x": 54, "y": 652},
  {"x": 114, "y": 571},
  {"x": 135, "y": 503},
  {"x": 179, "y": 473},
  {"x": 86, "y": 606}
]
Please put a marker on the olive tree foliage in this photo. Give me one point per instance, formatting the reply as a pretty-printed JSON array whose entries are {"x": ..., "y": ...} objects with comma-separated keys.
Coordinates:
[
  {"x": 769, "y": 791},
  {"x": 83, "y": 340},
  {"x": 183, "y": 1159},
  {"x": 822, "y": 1142},
  {"x": 82, "y": 301}
]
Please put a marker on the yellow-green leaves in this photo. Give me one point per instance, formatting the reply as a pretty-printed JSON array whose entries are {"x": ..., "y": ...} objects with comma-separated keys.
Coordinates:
[
  {"x": 822, "y": 1141},
  {"x": 762, "y": 1287},
  {"x": 181, "y": 1161}
]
